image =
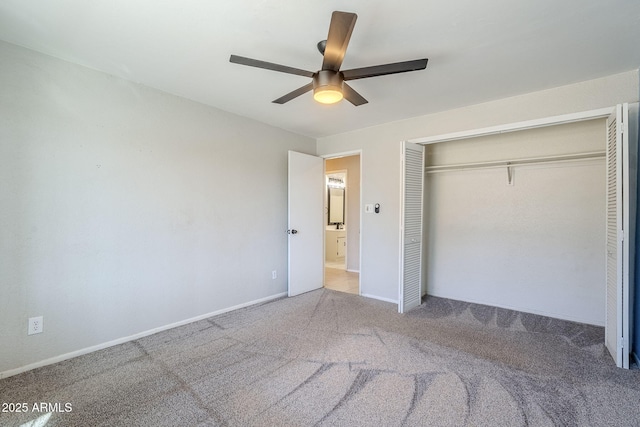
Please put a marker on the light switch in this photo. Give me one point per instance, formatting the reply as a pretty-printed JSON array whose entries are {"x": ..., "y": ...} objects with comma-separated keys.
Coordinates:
[{"x": 368, "y": 208}]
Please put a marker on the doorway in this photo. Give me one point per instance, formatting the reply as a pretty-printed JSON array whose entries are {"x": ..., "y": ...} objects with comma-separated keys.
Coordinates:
[{"x": 342, "y": 224}]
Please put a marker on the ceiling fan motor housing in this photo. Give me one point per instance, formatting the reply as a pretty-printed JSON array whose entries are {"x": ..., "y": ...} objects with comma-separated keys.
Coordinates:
[{"x": 325, "y": 79}]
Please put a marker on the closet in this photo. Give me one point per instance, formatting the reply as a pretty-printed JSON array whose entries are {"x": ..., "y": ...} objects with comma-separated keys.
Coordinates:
[{"x": 517, "y": 220}]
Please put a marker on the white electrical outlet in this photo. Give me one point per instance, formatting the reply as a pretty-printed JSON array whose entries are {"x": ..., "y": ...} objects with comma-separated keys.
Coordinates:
[
  {"x": 35, "y": 325},
  {"x": 274, "y": 274}
]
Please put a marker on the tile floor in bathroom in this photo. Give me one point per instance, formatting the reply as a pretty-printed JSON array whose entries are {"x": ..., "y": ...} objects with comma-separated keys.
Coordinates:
[{"x": 338, "y": 279}]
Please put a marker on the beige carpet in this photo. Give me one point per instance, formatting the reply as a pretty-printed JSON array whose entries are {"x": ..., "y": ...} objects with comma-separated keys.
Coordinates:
[{"x": 335, "y": 359}]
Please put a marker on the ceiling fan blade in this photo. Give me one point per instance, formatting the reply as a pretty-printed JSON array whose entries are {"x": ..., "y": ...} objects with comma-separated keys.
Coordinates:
[
  {"x": 352, "y": 96},
  {"x": 381, "y": 70},
  {"x": 269, "y": 66},
  {"x": 294, "y": 94},
  {"x": 340, "y": 30}
]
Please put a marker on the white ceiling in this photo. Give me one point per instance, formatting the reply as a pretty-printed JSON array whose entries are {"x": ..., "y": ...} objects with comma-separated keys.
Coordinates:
[{"x": 478, "y": 50}]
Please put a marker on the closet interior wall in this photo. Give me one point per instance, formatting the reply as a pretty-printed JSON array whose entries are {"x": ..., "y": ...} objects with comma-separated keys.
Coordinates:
[{"x": 529, "y": 237}]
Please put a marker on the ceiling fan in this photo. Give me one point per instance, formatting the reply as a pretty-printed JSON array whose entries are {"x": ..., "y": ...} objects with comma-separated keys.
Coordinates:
[{"x": 329, "y": 83}]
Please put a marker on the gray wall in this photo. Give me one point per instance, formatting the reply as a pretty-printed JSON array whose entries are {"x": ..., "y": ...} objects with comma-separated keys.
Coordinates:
[
  {"x": 125, "y": 209},
  {"x": 380, "y": 145}
]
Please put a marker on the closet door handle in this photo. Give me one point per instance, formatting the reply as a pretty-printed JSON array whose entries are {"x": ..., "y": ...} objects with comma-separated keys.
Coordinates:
[{"x": 292, "y": 231}]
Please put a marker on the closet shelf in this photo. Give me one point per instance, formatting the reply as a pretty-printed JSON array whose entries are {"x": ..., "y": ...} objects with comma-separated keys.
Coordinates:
[{"x": 516, "y": 162}]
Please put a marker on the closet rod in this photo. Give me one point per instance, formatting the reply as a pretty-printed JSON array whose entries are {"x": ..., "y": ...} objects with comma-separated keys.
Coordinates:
[{"x": 516, "y": 162}]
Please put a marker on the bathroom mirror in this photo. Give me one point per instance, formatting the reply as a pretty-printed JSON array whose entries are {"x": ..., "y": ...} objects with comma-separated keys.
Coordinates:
[{"x": 336, "y": 205}]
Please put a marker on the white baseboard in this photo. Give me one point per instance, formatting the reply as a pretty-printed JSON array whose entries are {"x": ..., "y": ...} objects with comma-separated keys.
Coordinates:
[
  {"x": 393, "y": 301},
  {"x": 123, "y": 340}
]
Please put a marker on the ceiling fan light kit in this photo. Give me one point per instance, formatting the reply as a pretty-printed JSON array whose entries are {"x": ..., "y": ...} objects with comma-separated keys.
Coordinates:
[
  {"x": 328, "y": 83},
  {"x": 327, "y": 87}
]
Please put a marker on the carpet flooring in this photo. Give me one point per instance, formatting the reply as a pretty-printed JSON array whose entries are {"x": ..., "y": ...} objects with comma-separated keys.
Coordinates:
[{"x": 327, "y": 358}]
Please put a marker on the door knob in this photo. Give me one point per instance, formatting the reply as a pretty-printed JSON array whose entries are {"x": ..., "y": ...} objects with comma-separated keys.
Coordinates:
[{"x": 293, "y": 231}]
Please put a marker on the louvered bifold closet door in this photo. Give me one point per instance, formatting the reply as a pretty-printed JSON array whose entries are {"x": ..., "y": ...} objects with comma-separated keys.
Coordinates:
[
  {"x": 619, "y": 225},
  {"x": 411, "y": 268},
  {"x": 614, "y": 249}
]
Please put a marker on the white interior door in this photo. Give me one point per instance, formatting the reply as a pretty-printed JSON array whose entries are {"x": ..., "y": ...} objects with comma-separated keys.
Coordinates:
[
  {"x": 411, "y": 231},
  {"x": 306, "y": 214},
  {"x": 621, "y": 176}
]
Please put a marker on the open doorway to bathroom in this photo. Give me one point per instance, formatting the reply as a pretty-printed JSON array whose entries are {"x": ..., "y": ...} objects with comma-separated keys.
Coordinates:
[{"x": 342, "y": 224}]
